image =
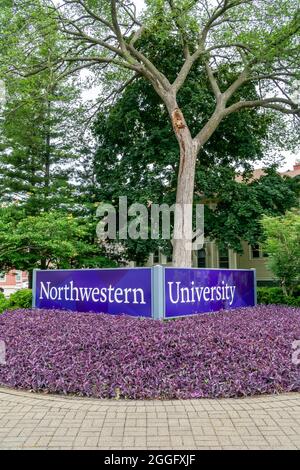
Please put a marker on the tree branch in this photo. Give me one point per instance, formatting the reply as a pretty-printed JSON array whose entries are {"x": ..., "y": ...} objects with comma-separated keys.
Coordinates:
[
  {"x": 150, "y": 70},
  {"x": 210, "y": 127},
  {"x": 242, "y": 78},
  {"x": 116, "y": 26},
  {"x": 89, "y": 11},
  {"x": 112, "y": 94},
  {"x": 132, "y": 15},
  {"x": 137, "y": 35},
  {"x": 272, "y": 103},
  {"x": 183, "y": 73},
  {"x": 213, "y": 81},
  {"x": 176, "y": 13},
  {"x": 218, "y": 12}
]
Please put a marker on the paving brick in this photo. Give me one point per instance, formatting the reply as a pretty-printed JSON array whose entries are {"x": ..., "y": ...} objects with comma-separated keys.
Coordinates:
[{"x": 33, "y": 421}]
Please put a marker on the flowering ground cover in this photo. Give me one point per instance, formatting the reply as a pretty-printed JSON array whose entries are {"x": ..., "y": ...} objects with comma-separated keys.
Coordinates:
[{"x": 227, "y": 354}]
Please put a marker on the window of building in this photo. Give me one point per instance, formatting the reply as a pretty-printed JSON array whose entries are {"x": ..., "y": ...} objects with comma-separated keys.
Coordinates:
[
  {"x": 18, "y": 276},
  {"x": 256, "y": 252},
  {"x": 223, "y": 258},
  {"x": 156, "y": 257},
  {"x": 201, "y": 257},
  {"x": 2, "y": 277}
]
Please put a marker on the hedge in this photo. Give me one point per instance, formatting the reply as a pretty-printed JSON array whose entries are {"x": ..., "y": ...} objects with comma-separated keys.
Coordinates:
[
  {"x": 275, "y": 296},
  {"x": 20, "y": 299}
]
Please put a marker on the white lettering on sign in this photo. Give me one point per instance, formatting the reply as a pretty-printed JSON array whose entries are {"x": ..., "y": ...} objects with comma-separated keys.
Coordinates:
[
  {"x": 93, "y": 294},
  {"x": 192, "y": 294}
]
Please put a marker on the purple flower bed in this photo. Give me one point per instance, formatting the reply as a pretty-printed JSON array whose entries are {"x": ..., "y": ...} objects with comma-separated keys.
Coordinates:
[{"x": 228, "y": 354}]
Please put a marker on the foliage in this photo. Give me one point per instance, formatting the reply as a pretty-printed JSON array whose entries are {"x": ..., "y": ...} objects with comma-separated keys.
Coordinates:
[
  {"x": 137, "y": 156},
  {"x": 48, "y": 240},
  {"x": 276, "y": 296},
  {"x": 227, "y": 354},
  {"x": 21, "y": 299},
  {"x": 241, "y": 206},
  {"x": 282, "y": 243},
  {"x": 242, "y": 46},
  {"x": 39, "y": 140},
  {"x": 41, "y": 144},
  {"x": 270, "y": 295},
  {"x": 4, "y": 303}
]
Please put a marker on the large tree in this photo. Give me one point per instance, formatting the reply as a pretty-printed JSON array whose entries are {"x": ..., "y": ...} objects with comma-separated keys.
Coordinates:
[
  {"x": 41, "y": 146},
  {"x": 256, "y": 39},
  {"x": 38, "y": 144},
  {"x": 137, "y": 157}
]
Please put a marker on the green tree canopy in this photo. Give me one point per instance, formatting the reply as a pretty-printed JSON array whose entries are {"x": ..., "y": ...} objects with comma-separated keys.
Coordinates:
[
  {"x": 49, "y": 240},
  {"x": 40, "y": 148},
  {"x": 282, "y": 244},
  {"x": 255, "y": 40},
  {"x": 137, "y": 156}
]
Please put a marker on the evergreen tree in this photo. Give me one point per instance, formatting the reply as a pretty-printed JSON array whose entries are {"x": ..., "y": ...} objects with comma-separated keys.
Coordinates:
[
  {"x": 41, "y": 146},
  {"x": 37, "y": 144}
]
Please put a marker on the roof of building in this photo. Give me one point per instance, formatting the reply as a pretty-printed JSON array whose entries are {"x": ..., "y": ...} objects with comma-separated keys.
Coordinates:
[{"x": 259, "y": 172}]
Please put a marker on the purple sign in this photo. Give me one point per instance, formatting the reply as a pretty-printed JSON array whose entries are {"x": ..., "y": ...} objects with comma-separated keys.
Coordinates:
[
  {"x": 156, "y": 292},
  {"x": 113, "y": 291},
  {"x": 191, "y": 291}
]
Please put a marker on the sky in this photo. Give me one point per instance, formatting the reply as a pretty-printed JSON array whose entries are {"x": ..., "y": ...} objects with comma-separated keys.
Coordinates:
[
  {"x": 139, "y": 3},
  {"x": 289, "y": 160}
]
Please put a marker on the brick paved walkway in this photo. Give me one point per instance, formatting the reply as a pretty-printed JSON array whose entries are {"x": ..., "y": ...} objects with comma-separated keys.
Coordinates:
[{"x": 53, "y": 422}]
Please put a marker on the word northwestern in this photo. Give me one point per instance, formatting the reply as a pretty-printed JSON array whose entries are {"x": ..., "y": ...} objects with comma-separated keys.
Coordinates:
[{"x": 108, "y": 294}]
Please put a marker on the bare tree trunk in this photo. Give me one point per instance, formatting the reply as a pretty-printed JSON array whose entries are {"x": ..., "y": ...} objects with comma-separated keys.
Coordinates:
[
  {"x": 183, "y": 221},
  {"x": 189, "y": 149}
]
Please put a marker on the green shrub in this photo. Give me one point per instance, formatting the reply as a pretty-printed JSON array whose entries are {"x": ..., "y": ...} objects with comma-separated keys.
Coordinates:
[
  {"x": 4, "y": 303},
  {"x": 275, "y": 295},
  {"x": 270, "y": 295},
  {"x": 282, "y": 243},
  {"x": 293, "y": 301},
  {"x": 296, "y": 292},
  {"x": 21, "y": 299}
]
